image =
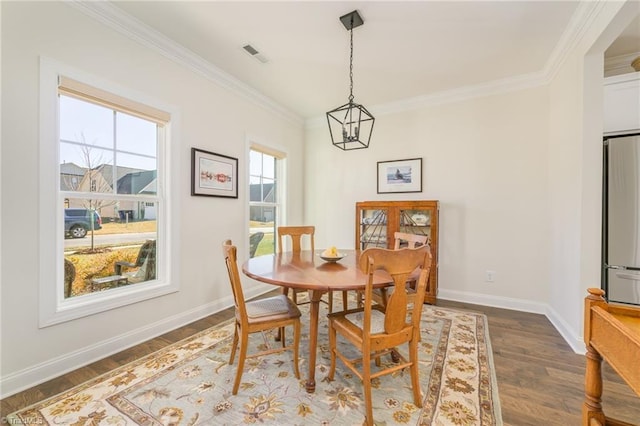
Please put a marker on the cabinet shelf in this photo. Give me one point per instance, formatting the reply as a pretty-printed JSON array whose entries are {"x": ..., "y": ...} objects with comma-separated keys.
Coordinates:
[{"x": 378, "y": 221}]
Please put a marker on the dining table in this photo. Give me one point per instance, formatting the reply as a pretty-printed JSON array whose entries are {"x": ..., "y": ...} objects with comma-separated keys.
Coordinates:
[{"x": 307, "y": 270}]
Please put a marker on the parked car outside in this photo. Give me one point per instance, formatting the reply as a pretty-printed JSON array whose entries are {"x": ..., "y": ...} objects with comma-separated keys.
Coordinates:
[{"x": 77, "y": 222}]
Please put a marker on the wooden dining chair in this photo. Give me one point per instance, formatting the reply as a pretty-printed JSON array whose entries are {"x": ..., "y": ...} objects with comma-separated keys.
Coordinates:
[
  {"x": 258, "y": 315},
  {"x": 296, "y": 233},
  {"x": 402, "y": 240},
  {"x": 376, "y": 331}
]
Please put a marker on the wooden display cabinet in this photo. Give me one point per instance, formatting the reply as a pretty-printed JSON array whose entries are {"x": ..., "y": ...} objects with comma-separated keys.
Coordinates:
[{"x": 377, "y": 221}]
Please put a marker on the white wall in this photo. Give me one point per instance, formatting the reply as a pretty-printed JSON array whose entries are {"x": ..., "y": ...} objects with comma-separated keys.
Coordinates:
[
  {"x": 575, "y": 169},
  {"x": 212, "y": 118},
  {"x": 485, "y": 159}
]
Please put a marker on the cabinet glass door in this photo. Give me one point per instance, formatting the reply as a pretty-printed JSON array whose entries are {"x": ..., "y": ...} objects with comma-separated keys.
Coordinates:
[
  {"x": 373, "y": 228},
  {"x": 416, "y": 221}
]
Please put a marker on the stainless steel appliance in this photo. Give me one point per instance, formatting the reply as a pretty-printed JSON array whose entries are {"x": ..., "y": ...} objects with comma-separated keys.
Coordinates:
[{"x": 621, "y": 219}]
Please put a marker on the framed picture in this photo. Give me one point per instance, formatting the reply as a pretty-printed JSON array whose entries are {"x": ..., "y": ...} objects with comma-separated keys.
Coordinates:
[
  {"x": 400, "y": 176},
  {"x": 213, "y": 175}
]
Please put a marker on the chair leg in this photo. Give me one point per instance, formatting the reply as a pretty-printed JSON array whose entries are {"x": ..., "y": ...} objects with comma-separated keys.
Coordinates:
[
  {"x": 366, "y": 384},
  {"x": 283, "y": 338},
  {"x": 296, "y": 346},
  {"x": 285, "y": 291},
  {"x": 244, "y": 342},
  {"x": 415, "y": 379},
  {"x": 234, "y": 345},
  {"x": 332, "y": 349}
]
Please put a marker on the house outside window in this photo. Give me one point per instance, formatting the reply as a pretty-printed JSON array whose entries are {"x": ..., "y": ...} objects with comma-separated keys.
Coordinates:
[
  {"x": 108, "y": 221},
  {"x": 265, "y": 199}
]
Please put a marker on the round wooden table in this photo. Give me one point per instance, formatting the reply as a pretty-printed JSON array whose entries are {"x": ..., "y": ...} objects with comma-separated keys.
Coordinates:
[{"x": 306, "y": 270}]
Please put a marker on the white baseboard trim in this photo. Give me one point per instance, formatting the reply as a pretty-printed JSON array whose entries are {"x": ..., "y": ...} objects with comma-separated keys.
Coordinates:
[
  {"x": 494, "y": 301},
  {"x": 576, "y": 342},
  {"x": 567, "y": 333},
  {"x": 39, "y": 373}
]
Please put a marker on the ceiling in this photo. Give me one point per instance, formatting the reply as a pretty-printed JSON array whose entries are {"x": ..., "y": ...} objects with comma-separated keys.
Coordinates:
[{"x": 404, "y": 50}]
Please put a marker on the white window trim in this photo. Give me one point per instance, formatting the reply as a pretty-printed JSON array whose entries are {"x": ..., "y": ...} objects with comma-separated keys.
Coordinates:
[
  {"x": 281, "y": 172},
  {"x": 53, "y": 307}
]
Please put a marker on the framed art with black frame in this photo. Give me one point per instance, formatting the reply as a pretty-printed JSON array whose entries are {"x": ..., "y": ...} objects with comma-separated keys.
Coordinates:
[
  {"x": 400, "y": 176},
  {"x": 213, "y": 175}
]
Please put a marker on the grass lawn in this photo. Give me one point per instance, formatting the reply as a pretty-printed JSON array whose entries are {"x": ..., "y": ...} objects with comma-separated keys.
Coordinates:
[
  {"x": 127, "y": 228},
  {"x": 266, "y": 245}
]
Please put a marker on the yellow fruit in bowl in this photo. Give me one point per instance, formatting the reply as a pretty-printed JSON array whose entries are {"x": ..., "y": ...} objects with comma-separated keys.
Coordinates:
[{"x": 330, "y": 252}]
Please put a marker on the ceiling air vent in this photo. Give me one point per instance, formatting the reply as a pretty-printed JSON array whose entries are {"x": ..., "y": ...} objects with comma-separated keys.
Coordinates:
[{"x": 253, "y": 52}]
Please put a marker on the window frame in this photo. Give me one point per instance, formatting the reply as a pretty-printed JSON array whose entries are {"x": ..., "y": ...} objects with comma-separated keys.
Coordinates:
[
  {"x": 53, "y": 307},
  {"x": 281, "y": 189}
]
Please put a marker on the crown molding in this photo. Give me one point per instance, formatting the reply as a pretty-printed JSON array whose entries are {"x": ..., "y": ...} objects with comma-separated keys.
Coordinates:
[
  {"x": 131, "y": 27},
  {"x": 136, "y": 30},
  {"x": 460, "y": 94},
  {"x": 581, "y": 20}
]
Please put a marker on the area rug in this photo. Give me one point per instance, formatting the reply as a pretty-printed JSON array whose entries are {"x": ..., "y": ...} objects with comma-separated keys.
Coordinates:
[{"x": 190, "y": 382}]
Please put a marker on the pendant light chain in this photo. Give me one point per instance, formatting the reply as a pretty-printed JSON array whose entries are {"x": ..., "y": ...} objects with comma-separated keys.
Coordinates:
[{"x": 351, "y": 66}]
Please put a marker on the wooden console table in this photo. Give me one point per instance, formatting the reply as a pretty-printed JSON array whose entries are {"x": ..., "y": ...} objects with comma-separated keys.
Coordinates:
[{"x": 612, "y": 333}]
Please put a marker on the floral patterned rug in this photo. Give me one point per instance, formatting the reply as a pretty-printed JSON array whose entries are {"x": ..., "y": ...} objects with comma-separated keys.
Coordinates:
[{"x": 190, "y": 382}]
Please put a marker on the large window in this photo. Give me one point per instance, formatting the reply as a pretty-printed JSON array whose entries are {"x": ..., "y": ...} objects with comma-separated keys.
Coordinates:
[
  {"x": 108, "y": 180},
  {"x": 110, "y": 198},
  {"x": 265, "y": 199}
]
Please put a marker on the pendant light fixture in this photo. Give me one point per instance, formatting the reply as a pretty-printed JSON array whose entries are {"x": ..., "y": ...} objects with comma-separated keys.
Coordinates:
[{"x": 350, "y": 125}]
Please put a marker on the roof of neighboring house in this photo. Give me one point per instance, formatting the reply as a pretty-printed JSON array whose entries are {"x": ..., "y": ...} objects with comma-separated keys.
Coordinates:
[
  {"x": 269, "y": 193},
  {"x": 70, "y": 176},
  {"x": 136, "y": 182},
  {"x": 151, "y": 188},
  {"x": 107, "y": 172},
  {"x": 72, "y": 169},
  {"x": 129, "y": 180}
]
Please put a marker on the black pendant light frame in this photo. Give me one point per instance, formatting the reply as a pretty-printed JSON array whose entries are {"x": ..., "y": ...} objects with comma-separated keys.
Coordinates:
[{"x": 350, "y": 125}]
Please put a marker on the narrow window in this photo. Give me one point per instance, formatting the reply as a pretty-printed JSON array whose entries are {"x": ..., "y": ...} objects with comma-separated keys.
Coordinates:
[{"x": 265, "y": 200}]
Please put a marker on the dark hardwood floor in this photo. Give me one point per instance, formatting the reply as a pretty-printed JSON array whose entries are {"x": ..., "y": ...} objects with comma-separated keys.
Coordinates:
[{"x": 540, "y": 379}]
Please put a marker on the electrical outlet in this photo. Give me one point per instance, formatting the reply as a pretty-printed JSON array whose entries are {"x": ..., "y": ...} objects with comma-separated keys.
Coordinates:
[{"x": 490, "y": 276}]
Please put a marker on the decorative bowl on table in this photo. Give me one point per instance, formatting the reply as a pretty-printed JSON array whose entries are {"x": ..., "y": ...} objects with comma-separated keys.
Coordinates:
[
  {"x": 331, "y": 255},
  {"x": 332, "y": 259}
]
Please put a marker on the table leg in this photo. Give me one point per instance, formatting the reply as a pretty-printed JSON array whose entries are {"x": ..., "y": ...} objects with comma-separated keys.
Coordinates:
[
  {"x": 285, "y": 291},
  {"x": 313, "y": 339}
]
